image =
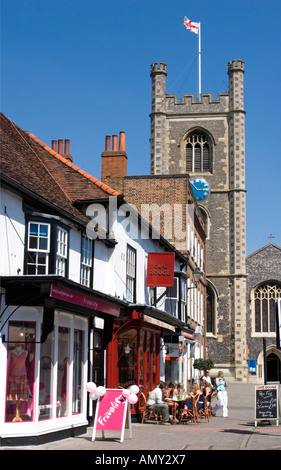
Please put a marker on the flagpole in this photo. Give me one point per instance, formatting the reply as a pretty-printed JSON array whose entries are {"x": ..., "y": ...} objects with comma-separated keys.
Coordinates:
[{"x": 199, "y": 59}]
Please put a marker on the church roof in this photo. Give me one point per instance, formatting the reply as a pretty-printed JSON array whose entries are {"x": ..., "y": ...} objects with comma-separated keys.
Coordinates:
[{"x": 266, "y": 247}]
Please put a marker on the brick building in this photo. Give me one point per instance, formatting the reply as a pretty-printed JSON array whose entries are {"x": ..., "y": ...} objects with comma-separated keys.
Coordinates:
[{"x": 168, "y": 204}]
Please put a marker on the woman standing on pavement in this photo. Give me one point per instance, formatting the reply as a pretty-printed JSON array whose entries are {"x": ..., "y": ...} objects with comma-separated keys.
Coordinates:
[{"x": 221, "y": 395}]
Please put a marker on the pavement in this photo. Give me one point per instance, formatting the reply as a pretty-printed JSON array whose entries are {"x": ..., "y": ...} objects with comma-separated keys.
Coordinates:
[{"x": 155, "y": 442}]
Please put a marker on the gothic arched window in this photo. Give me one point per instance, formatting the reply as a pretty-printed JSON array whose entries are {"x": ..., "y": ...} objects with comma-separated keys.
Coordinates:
[
  {"x": 211, "y": 311},
  {"x": 265, "y": 300},
  {"x": 198, "y": 153}
]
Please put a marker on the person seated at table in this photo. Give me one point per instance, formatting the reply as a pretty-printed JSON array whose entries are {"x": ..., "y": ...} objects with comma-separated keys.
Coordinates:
[
  {"x": 155, "y": 402},
  {"x": 181, "y": 389},
  {"x": 172, "y": 392},
  {"x": 195, "y": 392}
]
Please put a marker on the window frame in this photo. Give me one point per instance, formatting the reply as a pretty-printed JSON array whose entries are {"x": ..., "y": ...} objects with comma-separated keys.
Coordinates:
[
  {"x": 87, "y": 266},
  {"x": 53, "y": 255},
  {"x": 194, "y": 152},
  {"x": 37, "y": 250},
  {"x": 131, "y": 280},
  {"x": 270, "y": 286}
]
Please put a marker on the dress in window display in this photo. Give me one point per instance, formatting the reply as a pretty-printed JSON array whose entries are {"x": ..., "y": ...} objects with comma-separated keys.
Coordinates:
[
  {"x": 17, "y": 386},
  {"x": 17, "y": 376}
]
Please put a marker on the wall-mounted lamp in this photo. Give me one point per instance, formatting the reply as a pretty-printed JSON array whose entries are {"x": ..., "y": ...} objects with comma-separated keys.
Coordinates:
[
  {"x": 127, "y": 349},
  {"x": 196, "y": 278}
]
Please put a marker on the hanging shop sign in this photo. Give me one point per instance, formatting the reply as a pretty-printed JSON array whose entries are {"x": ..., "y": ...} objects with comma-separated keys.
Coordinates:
[
  {"x": 160, "y": 269},
  {"x": 68, "y": 295}
]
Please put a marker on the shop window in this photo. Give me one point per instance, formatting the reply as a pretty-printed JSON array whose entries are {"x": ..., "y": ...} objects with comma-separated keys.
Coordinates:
[
  {"x": 77, "y": 371},
  {"x": 127, "y": 358},
  {"x": 20, "y": 371},
  {"x": 98, "y": 365},
  {"x": 46, "y": 378},
  {"x": 86, "y": 261},
  {"x": 63, "y": 371}
]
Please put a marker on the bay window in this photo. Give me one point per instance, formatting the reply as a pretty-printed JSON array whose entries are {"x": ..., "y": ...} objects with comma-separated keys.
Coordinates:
[{"x": 46, "y": 249}]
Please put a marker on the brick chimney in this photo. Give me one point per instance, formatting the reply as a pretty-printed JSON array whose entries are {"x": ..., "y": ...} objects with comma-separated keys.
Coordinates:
[{"x": 114, "y": 162}]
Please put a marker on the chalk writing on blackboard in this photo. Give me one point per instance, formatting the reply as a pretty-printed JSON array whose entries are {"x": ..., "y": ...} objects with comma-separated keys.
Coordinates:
[{"x": 266, "y": 404}]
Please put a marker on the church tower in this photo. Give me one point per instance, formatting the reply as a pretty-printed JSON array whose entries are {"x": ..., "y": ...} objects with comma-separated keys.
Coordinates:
[{"x": 205, "y": 138}]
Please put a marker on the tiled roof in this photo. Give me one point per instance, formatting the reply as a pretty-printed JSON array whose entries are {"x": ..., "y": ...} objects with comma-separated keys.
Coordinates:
[
  {"x": 29, "y": 162},
  {"x": 69, "y": 176}
]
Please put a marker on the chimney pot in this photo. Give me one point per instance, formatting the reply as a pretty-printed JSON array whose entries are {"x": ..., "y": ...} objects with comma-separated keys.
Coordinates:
[
  {"x": 66, "y": 146},
  {"x": 54, "y": 145},
  {"x": 122, "y": 143},
  {"x": 114, "y": 142},
  {"x": 107, "y": 143},
  {"x": 60, "y": 149}
]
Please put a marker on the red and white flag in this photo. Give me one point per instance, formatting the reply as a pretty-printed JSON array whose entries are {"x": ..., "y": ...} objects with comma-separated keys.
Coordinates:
[{"x": 194, "y": 27}]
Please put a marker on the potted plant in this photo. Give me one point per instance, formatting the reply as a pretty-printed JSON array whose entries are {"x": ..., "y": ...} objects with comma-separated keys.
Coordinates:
[{"x": 203, "y": 364}]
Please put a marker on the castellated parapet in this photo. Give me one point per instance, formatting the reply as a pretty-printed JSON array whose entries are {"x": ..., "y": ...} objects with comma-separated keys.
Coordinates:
[
  {"x": 236, "y": 65},
  {"x": 189, "y": 105},
  {"x": 158, "y": 68}
]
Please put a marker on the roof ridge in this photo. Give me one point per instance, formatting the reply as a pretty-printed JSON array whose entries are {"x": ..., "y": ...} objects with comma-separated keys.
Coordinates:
[
  {"x": 263, "y": 248},
  {"x": 92, "y": 178}
]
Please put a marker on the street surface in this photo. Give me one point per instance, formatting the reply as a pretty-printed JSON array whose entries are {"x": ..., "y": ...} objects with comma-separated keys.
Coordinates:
[{"x": 171, "y": 443}]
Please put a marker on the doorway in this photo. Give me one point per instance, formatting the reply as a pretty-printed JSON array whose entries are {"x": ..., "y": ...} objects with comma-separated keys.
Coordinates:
[{"x": 273, "y": 368}]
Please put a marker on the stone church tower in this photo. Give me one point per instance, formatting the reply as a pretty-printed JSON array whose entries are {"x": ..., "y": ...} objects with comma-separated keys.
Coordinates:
[{"x": 206, "y": 138}]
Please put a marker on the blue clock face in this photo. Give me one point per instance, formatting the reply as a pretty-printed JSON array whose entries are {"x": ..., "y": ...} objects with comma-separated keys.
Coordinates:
[{"x": 201, "y": 188}]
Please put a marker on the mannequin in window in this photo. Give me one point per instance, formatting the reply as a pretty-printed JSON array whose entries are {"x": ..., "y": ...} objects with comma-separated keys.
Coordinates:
[{"x": 17, "y": 386}]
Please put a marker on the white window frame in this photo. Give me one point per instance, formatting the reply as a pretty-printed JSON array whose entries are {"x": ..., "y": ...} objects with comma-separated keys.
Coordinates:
[
  {"x": 61, "y": 250},
  {"x": 86, "y": 261},
  {"x": 131, "y": 257},
  {"x": 37, "y": 249}
]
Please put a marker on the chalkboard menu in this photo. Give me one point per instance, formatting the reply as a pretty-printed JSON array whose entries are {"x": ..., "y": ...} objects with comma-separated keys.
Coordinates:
[{"x": 266, "y": 403}]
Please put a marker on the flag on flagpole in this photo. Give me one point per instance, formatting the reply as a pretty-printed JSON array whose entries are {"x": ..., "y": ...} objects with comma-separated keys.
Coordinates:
[{"x": 194, "y": 27}]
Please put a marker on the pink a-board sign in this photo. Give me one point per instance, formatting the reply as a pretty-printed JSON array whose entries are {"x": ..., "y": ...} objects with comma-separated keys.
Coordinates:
[{"x": 111, "y": 412}]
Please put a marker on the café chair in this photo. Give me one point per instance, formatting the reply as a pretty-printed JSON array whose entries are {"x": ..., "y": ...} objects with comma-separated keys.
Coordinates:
[
  {"x": 145, "y": 413},
  {"x": 206, "y": 411},
  {"x": 189, "y": 415}
]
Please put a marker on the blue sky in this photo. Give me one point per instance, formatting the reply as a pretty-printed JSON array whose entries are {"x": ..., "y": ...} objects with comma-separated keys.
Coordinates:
[{"x": 80, "y": 70}]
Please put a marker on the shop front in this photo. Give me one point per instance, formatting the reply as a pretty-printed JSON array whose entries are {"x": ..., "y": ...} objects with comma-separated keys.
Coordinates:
[
  {"x": 48, "y": 352},
  {"x": 136, "y": 353}
]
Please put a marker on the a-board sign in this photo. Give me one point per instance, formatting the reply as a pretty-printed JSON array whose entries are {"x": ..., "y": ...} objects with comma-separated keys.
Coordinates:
[
  {"x": 266, "y": 403},
  {"x": 111, "y": 412}
]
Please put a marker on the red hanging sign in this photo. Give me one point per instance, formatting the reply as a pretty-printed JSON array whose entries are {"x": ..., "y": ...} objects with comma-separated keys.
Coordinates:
[{"x": 160, "y": 269}]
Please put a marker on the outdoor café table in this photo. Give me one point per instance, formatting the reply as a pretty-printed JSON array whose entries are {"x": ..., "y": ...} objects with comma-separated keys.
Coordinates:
[{"x": 180, "y": 400}]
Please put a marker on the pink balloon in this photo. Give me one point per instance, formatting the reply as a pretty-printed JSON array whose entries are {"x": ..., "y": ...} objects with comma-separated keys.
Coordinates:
[
  {"x": 126, "y": 393},
  {"x": 134, "y": 389},
  {"x": 132, "y": 398},
  {"x": 91, "y": 387}
]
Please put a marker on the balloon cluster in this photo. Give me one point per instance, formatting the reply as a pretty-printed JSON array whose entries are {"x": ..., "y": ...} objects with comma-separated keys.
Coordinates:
[
  {"x": 96, "y": 392},
  {"x": 131, "y": 394}
]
